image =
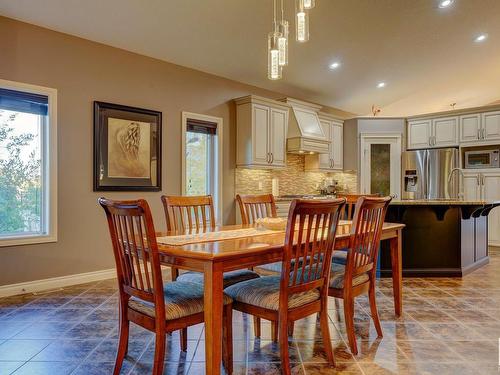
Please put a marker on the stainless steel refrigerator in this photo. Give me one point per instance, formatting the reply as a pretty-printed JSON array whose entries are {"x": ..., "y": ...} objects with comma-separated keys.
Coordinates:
[{"x": 430, "y": 174}]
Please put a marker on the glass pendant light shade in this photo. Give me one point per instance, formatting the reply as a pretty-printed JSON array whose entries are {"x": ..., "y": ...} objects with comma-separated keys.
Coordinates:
[
  {"x": 301, "y": 23},
  {"x": 274, "y": 69},
  {"x": 309, "y": 4},
  {"x": 283, "y": 42}
]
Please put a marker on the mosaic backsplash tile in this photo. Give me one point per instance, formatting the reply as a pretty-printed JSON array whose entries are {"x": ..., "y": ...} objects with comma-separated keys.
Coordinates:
[{"x": 292, "y": 180}]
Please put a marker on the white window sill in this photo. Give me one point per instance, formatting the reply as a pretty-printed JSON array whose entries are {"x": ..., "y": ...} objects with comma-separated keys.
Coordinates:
[{"x": 26, "y": 240}]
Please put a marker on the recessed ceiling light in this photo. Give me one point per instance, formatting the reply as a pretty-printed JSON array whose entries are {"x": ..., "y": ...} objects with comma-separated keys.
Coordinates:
[
  {"x": 381, "y": 85},
  {"x": 480, "y": 38},
  {"x": 334, "y": 65},
  {"x": 445, "y": 3}
]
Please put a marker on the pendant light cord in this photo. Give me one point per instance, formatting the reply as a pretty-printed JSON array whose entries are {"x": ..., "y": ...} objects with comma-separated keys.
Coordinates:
[{"x": 275, "y": 24}]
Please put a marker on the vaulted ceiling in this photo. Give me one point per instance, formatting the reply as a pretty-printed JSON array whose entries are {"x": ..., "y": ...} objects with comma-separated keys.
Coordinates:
[{"x": 426, "y": 55}]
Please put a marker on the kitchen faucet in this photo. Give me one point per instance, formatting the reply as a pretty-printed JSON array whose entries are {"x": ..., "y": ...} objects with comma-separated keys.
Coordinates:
[{"x": 460, "y": 185}]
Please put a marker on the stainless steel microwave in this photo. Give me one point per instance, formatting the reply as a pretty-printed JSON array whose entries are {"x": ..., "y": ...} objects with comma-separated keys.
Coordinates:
[{"x": 482, "y": 159}]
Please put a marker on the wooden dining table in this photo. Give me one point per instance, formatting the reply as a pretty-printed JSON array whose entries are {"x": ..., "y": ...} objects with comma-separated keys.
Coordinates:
[{"x": 214, "y": 257}]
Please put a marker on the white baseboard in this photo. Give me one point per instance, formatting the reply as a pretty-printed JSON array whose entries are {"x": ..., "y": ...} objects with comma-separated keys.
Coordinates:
[{"x": 55, "y": 282}]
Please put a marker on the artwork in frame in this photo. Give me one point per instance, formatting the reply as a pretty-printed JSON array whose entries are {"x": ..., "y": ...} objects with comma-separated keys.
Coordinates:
[{"x": 127, "y": 148}]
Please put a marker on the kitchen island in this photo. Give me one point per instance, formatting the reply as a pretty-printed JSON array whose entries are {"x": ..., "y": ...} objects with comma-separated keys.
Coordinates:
[{"x": 442, "y": 238}]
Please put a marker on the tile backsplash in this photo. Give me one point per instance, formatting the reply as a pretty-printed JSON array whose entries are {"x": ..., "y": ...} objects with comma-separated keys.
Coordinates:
[{"x": 292, "y": 180}]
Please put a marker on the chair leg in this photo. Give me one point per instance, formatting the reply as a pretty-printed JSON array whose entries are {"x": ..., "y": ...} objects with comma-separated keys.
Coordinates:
[
  {"x": 274, "y": 331},
  {"x": 227, "y": 333},
  {"x": 291, "y": 326},
  {"x": 284, "y": 354},
  {"x": 256, "y": 326},
  {"x": 159, "y": 353},
  {"x": 325, "y": 334},
  {"x": 373, "y": 309},
  {"x": 184, "y": 339},
  {"x": 122, "y": 344},
  {"x": 174, "y": 273},
  {"x": 349, "y": 322}
]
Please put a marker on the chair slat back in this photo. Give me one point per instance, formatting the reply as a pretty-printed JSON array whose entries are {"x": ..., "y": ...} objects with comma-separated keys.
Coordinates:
[
  {"x": 191, "y": 213},
  {"x": 135, "y": 249},
  {"x": 351, "y": 199},
  {"x": 365, "y": 235},
  {"x": 253, "y": 207},
  {"x": 309, "y": 243}
]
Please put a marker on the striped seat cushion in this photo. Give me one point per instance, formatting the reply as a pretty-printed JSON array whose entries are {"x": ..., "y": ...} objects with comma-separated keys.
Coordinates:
[
  {"x": 181, "y": 299},
  {"x": 337, "y": 275},
  {"x": 340, "y": 256},
  {"x": 265, "y": 292},
  {"x": 229, "y": 278}
]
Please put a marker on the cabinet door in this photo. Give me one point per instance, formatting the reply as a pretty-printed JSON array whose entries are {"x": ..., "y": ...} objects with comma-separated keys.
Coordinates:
[
  {"x": 278, "y": 131},
  {"x": 260, "y": 118},
  {"x": 445, "y": 131},
  {"x": 491, "y": 192},
  {"x": 338, "y": 145},
  {"x": 491, "y": 125},
  {"x": 419, "y": 134},
  {"x": 325, "y": 160},
  {"x": 471, "y": 188},
  {"x": 470, "y": 126}
]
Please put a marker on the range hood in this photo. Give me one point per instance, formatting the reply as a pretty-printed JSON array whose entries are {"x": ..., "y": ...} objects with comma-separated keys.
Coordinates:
[{"x": 305, "y": 133}]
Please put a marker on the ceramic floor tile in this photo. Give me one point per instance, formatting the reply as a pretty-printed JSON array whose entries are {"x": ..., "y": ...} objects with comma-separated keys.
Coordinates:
[
  {"x": 21, "y": 350},
  {"x": 46, "y": 368},
  {"x": 8, "y": 367}
]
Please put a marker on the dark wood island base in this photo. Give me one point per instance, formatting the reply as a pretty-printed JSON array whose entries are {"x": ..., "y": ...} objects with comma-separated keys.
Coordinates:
[{"x": 441, "y": 238}]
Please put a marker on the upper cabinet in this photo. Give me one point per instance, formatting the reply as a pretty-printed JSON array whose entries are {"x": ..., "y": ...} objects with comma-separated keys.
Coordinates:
[
  {"x": 491, "y": 126},
  {"x": 333, "y": 160},
  {"x": 261, "y": 126},
  {"x": 430, "y": 133},
  {"x": 480, "y": 127}
]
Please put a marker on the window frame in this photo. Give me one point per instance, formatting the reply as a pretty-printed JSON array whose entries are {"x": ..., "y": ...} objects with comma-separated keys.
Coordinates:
[
  {"x": 217, "y": 146},
  {"x": 49, "y": 169}
]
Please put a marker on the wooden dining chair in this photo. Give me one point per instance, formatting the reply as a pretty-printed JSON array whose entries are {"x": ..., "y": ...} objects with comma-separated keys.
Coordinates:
[
  {"x": 358, "y": 276},
  {"x": 301, "y": 289},
  {"x": 253, "y": 207},
  {"x": 144, "y": 298}
]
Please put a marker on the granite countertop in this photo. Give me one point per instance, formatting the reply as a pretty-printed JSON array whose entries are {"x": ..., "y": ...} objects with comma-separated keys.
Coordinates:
[{"x": 438, "y": 202}]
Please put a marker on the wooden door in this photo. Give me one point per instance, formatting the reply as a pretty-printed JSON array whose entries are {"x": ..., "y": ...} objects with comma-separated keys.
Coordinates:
[
  {"x": 419, "y": 134},
  {"x": 278, "y": 130},
  {"x": 470, "y": 126},
  {"x": 260, "y": 118},
  {"x": 471, "y": 186},
  {"x": 445, "y": 132}
]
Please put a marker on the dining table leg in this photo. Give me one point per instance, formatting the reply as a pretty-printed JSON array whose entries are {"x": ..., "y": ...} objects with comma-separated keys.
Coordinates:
[
  {"x": 213, "y": 306},
  {"x": 396, "y": 245}
]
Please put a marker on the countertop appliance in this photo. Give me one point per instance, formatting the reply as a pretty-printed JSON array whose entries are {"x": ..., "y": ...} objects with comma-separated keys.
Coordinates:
[
  {"x": 482, "y": 159},
  {"x": 428, "y": 174}
]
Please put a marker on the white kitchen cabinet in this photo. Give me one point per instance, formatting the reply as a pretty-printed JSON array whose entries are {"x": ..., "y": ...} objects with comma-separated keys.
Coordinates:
[
  {"x": 333, "y": 160},
  {"x": 485, "y": 186},
  {"x": 445, "y": 132},
  {"x": 491, "y": 126},
  {"x": 419, "y": 134},
  {"x": 261, "y": 126},
  {"x": 430, "y": 133},
  {"x": 470, "y": 128}
]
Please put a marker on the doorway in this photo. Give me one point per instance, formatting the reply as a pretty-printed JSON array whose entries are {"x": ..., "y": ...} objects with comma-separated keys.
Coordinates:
[{"x": 380, "y": 167}]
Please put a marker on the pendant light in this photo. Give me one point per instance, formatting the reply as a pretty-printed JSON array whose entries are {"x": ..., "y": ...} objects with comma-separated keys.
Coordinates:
[
  {"x": 301, "y": 22},
  {"x": 283, "y": 39},
  {"x": 274, "y": 69},
  {"x": 309, "y": 4}
]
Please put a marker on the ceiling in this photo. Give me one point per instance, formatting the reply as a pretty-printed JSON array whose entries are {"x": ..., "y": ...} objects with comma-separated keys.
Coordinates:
[{"x": 426, "y": 55}]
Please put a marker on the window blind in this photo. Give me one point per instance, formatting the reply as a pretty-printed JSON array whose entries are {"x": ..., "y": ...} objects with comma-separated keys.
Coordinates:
[
  {"x": 200, "y": 126},
  {"x": 24, "y": 102}
]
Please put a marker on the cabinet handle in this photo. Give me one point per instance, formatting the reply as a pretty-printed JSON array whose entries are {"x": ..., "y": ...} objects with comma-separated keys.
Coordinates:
[
  {"x": 272, "y": 158},
  {"x": 430, "y": 141},
  {"x": 478, "y": 133},
  {"x": 268, "y": 158},
  {"x": 483, "y": 131}
]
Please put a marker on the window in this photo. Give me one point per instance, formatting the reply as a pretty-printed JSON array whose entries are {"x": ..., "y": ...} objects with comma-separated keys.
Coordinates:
[
  {"x": 202, "y": 161},
  {"x": 27, "y": 164}
]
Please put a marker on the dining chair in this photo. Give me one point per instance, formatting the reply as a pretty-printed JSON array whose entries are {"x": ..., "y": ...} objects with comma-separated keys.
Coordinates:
[
  {"x": 253, "y": 207},
  {"x": 302, "y": 287},
  {"x": 143, "y": 297},
  {"x": 340, "y": 256},
  {"x": 358, "y": 275}
]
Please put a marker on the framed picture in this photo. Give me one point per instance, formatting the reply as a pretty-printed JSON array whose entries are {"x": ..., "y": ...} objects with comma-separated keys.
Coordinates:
[{"x": 127, "y": 148}]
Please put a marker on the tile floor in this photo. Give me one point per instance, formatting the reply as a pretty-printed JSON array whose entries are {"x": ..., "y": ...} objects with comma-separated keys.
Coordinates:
[{"x": 450, "y": 326}]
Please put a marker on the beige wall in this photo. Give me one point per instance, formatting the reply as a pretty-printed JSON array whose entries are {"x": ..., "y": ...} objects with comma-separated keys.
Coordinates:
[{"x": 84, "y": 71}]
